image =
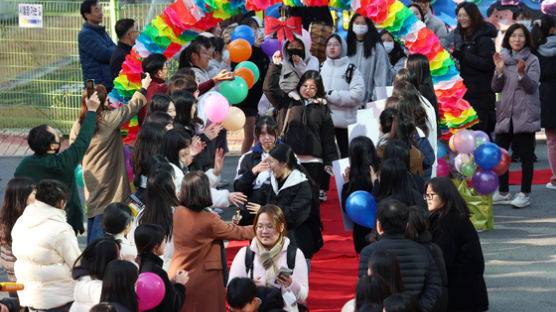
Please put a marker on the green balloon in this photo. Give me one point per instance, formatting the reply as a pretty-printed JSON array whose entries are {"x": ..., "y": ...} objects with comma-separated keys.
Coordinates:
[
  {"x": 252, "y": 67},
  {"x": 468, "y": 169},
  {"x": 79, "y": 175},
  {"x": 235, "y": 91}
]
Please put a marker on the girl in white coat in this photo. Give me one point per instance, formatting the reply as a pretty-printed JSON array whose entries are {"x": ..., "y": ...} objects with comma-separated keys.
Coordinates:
[
  {"x": 344, "y": 86},
  {"x": 270, "y": 248},
  {"x": 45, "y": 247}
]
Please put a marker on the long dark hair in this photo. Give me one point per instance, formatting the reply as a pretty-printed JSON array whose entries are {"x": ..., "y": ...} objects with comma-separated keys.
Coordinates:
[
  {"x": 15, "y": 200},
  {"x": 419, "y": 65},
  {"x": 159, "y": 198},
  {"x": 315, "y": 75},
  {"x": 284, "y": 154},
  {"x": 410, "y": 105},
  {"x": 147, "y": 237},
  {"x": 397, "y": 53},
  {"x": 184, "y": 101},
  {"x": 417, "y": 224},
  {"x": 396, "y": 182},
  {"x": 371, "y": 39},
  {"x": 362, "y": 156},
  {"x": 475, "y": 17},
  {"x": 159, "y": 103},
  {"x": 174, "y": 141},
  {"x": 118, "y": 284},
  {"x": 147, "y": 144},
  {"x": 95, "y": 258},
  {"x": 418, "y": 9},
  {"x": 385, "y": 264},
  {"x": 539, "y": 33},
  {"x": 448, "y": 193},
  {"x": 370, "y": 289}
]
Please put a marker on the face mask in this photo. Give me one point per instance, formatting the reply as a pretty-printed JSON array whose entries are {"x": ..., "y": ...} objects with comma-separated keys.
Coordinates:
[
  {"x": 225, "y": 55},
  {"x": 298, "y": 52},
  {"x": 503, "y": 21},
  {"x": 388, "y": 46},
  {"x": 526, "y": 23},
  {"x": 360, "y": 30}
]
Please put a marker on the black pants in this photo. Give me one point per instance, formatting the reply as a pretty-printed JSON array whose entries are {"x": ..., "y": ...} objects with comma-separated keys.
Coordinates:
[
  {"x": 525, "y": 142},
  {"x": 343, "y": 141},
  {"x": 317, "y": 173}
]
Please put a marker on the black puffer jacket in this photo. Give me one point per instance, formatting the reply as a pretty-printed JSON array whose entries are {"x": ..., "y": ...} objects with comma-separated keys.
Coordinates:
[
  {"x": 547, "y": 90},
  {"x": 420, "y": 275},
  {"x": 301, "y": 209},
  {"x": 476, "y": 64},
  {"x": 309, "y": 129},
  {"x": 465, "y": 264},
  {"x": 425, "y": 239},
  {"x": 174, "y": 297}
]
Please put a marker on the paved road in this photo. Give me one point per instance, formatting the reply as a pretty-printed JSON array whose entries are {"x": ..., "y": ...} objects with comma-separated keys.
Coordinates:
[{"x": 520, "y": 253}]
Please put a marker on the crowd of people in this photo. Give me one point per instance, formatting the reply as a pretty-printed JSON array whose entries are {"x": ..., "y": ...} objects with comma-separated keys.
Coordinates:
[{"x": 422, "y": 254}]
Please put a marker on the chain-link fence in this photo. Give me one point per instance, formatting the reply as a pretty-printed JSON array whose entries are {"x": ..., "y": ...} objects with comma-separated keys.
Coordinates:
[{"x": 40, "y": 73}]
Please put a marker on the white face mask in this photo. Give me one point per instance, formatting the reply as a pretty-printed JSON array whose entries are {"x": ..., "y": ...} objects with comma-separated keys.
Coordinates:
[
  {"x": 225, "y": 55},
  {"x": 526, "y": 23},
  {"x": 360, "y": 30},
  {"x": 388, "y": 46}
]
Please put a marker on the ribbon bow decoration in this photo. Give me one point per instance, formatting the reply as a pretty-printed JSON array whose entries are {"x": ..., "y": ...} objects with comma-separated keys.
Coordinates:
[{"x": 283, "y": 29}]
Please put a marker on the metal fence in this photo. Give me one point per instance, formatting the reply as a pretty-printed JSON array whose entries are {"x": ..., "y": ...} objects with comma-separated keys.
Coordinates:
[{"x": 40, "y": 73}]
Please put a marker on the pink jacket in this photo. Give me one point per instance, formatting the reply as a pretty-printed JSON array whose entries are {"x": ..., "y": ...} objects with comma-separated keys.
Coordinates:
[{"x": 300, "y": 277}]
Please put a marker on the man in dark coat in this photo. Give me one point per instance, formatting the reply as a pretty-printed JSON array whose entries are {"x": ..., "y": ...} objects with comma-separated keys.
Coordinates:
[
  {"x": 419, "y": 272},
  {"x": 95, "y": 46},
  {"x": 127, "y": 34}
]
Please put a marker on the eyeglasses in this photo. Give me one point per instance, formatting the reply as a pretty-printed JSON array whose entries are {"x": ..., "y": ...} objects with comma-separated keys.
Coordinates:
[
  {"x": 429, "y": 196},
  {"x": 261, "y": 227}
]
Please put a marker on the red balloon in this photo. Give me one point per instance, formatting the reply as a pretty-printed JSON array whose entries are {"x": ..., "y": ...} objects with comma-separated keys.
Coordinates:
[
  {"x": 504, "y": 164},
  {"x": 442, "y": 168}
]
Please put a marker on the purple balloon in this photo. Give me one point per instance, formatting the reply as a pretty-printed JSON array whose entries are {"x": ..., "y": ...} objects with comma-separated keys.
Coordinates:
[
  {"x": 464, "y": 141},
  {"x": 484, "y": 181},
  {"x": 270, "y": 46},
  {"x": 480, "y": 137}
]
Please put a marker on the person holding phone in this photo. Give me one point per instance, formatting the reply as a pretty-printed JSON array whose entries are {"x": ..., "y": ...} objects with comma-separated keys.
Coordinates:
[{"x": 268, "y": 259}]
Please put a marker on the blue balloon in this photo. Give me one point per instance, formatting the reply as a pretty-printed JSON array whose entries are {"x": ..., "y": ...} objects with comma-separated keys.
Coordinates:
[
  {"x": 441, "y": 149},
  {"x": 361, "y": 208},
  {"x": 244, "y": 32},
  {"x": 273, "y": 11},
  {"x": 487, "y": 155}
]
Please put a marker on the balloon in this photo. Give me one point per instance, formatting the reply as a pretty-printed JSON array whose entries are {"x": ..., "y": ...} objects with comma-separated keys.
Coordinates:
[
  {"x": 216, "y": 106},
  {"x": 270, "y": 46},
  {"x": 150, "y": 290},
  {"x": 548, "y": 7},
  {"x": 442, "y": 168},
  {"x": 487, "y": 155},
  {"x": 235, "y": 91},
  {"x": 484, "y": 181},
  {"x": 480, "y": 137},
  {"x": 240, "y": 50},
  {"x": 504, "y": 164},
  {"x": 252, "y": 67},
  {"x": 247, "y": 75},
  {"x": 464, "y": 141},
  {"x": 79, "y": 175},
  {"x": 235, "y": 119},
  {"x": 460, "y": 160},
  {"x": 243, "y": 32},
  {"x": 441, "y": 149},
  {"x": 361, "y": 208},
  {"x": 273, "y": 11},
  {"x": 451, "y": 144},
  {"x": 306, "y": 38},
  {"x": 468, "y": 169}
]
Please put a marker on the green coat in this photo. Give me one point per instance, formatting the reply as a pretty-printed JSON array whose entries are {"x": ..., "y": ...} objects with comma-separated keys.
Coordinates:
[{"x": 61, "y": 167}]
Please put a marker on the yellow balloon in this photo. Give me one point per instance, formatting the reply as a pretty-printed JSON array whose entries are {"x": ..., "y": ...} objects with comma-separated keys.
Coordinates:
[{"x": 235, "y": 119}]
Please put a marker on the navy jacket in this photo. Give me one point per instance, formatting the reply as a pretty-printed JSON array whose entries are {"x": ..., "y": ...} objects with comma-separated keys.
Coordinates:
[
  {"x": 118, "y": 58},
  {"x": 95, "y": 51}
]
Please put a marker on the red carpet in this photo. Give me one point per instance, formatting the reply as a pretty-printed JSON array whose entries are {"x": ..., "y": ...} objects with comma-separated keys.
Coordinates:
[
  {"x": 334, "y": 268},
  {"x": 539, "y": 177}
]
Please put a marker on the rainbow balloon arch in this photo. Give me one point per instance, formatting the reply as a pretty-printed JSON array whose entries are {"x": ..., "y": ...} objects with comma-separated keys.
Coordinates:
[{"x": 183, "y": 20}]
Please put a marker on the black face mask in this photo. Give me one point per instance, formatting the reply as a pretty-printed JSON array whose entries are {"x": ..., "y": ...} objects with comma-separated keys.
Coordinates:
[{"x": 298, "y": 52}]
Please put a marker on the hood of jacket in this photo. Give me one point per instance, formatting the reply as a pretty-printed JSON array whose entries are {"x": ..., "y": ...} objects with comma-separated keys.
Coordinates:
[
  {"x": 548, "y": 49},
  {"x": 487, "y": 29},
  {"x": 294, "y": 178},
  {"x": 40, "y": 213},
  {"x": 344, "y": 47},
  {"x": 512, "y": 60},
  {"x": 286, "y": 56},
  {"x": 258, "y": 147}
]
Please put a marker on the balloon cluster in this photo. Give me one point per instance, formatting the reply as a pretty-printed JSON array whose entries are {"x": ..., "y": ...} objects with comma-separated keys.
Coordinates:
[{"x": 474, "y": 157}]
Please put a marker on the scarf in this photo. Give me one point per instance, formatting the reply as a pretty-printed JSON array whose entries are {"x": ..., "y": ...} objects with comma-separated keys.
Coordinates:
[{"x": 269, "y": 259}]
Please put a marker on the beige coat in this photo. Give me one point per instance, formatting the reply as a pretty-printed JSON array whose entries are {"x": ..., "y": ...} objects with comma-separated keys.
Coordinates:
[{"x": 104, "y": 169}]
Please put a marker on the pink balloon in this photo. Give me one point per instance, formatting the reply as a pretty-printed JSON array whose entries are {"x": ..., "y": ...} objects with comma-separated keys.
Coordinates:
[
  {"x": 216, "y": 107},
  {"x": 442, "y": 168},
  {"x": 150, "y": 290}
]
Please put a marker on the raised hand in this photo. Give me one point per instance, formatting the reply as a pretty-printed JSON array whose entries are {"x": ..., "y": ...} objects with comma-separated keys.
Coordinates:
[
  {"x": 146, "y": 82},
  {"x": 93, "y": 102},
  {"x": 277, "y": 58},
  {"x": 197, "y": 146},
  {"x": 521, "y": 68},
  {"x": 260, "y": 167},
  {"x": 253, "y": 208},
  {"x": 223, "y": 75},
  {"x": 218, "y": 161},
  {"x": 498, "y": 62},
  {"x": 212, "y": 130},
  {"x": 237, "y": 198}
]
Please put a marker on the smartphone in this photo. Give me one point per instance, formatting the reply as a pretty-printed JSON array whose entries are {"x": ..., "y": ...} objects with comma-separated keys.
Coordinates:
[
  {"x": 285, "y": 272},
  {"x": 143, "y": 76},
  {"x": 90, "y": 85}
]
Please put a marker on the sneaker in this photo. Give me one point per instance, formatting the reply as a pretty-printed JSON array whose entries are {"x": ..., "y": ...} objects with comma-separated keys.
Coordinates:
[
  {"x": 551, "y": 186},
  {"x": 322, "y": 196},
  {"x": 499, "y": 199},
  {"x": 521, "y": 200}
]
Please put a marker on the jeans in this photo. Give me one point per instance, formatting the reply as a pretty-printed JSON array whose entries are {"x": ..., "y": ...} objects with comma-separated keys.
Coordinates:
[{"x": 94, "y": 229}]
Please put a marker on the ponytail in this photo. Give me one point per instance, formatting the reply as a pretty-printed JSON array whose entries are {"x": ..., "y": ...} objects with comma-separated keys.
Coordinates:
[{"x": 539, "y": 33}]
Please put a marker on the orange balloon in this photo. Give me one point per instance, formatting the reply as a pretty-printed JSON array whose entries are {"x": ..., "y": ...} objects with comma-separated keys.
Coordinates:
[
  {"x": 235, "y": 120},
  {"x": 451, "y": 144},
  {"x": 247, "y": 75},
  {"x": 240, "y": 50}
]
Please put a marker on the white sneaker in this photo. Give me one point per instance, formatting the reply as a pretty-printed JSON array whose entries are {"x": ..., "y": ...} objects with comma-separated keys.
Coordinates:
[
  {"x": 521, "y": 200},
  {"x": 499, "y": 199},
  {"x": 551, "y": 186}
]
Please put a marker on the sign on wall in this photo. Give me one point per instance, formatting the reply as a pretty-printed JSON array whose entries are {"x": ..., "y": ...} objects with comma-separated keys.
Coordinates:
[{"x": 30, "y": 15}]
